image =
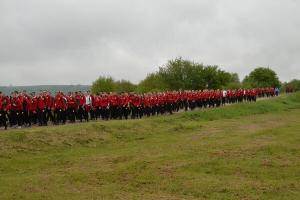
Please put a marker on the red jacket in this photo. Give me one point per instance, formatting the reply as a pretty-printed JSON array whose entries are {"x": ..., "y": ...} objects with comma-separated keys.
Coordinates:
[
  {"x": 32, "y": 105},
  {"x": 5, "y": 104},
  {"x": 135, "y": 101},
  {"x": 114, "y": 100},
  {"x": 49, "y": 101},
  {"x": 16, "y": 104},
  {"x": 41, "y": 103},
  {"x": 59, "y": 103},
  {"x": 146, "y": 102},
  {"x": 71, "y": 102},
  {"x": 104, "y": 102}
]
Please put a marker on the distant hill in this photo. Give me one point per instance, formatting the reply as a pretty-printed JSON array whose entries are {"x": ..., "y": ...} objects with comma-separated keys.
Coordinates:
[{"x": 51, "y": 88}]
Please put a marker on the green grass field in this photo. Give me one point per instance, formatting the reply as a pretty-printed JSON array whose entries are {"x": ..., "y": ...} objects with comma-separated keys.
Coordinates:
[{"x": 245, "y": 151}]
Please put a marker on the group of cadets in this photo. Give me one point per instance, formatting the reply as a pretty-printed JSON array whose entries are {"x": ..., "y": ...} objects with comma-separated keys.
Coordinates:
[{"x": 21, "y": 109}]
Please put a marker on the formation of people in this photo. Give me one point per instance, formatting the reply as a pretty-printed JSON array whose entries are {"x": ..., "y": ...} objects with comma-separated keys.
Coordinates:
[{"x": 22, "y": 109}]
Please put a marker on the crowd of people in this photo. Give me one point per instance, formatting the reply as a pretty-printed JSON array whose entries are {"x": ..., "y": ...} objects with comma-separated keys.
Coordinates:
[{"x": 22, "y": 109}]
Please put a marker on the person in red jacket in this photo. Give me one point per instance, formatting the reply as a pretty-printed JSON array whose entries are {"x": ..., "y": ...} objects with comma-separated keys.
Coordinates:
[
  {"x": 253, "y": 94},
  {"x": 104, "y": 106},
  {"x": 41, "y": 108},
  {"x": 71, "y": 107},
  {"x": 147, "y": 105},
  {"x": 4, "y": 108},
  {"x": 25, "y": 102},
  {"x": 154, "y": 104},
  {"x": 113, "y": 105},
  {"x": 80, "y": 99},
  {"x": 124, "y": 106},
  {"x": 32, "y": 109},
  {"x": 135, "y": 102},
  {"x": 49, "y": 100},
  {"x": 60, "y": 108},
  {"x": 16, "y": 110},
  {"x": 96, "y": 106}
]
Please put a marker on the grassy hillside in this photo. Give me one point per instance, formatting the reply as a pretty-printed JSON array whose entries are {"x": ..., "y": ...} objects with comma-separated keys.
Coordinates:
[{"x": 245, "y": 151}]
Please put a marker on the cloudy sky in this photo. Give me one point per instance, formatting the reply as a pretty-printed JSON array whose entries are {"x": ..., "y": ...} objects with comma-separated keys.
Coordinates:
[{"x": 75, "y": 41}]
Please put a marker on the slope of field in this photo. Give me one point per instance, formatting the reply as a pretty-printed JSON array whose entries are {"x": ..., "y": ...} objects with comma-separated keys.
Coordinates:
[{"x": 245, "y": 151}]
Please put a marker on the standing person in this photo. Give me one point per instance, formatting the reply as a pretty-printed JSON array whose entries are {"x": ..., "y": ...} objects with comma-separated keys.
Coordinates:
[
  {"x": 218, "y": 98},
  {"x": 185, "y": 100},
  {"x": 2, "y": 120},
  {"x": 124, "y": 106},
  {"x": 87, "y": 106},
  {"x": 71, "y": 107},
  {"x": 4, "y": 108},
  {"x": 16, "y": 109},
  {"x": 169, "y": 102},
  {"x": 276, "y": 91},
  {"x": 81, "y": 102},
  {"x": 41, "y": 107},
  {"x": 114, "y": 103},
  {"x": 154, "y": 104},
  {"x": 77, "y": 99},
  {"x": 59, "y": 106},
  {"x": 191, "y": 100},
  {"x": 26, "y": 100},
  {"x": 146, "y": 105},
  {"x": 253, "y": 94},
  {"x": 224, "y": 97},
  {"x": 104, "y": 106},
  {"x": 32, "y": 109},
  {"x": 96, "y": 106},
  {"x": 135, "y": 106},
  {"x": 49, "y": 107}
]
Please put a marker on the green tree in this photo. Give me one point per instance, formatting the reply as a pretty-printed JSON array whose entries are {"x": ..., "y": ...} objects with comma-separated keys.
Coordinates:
[
  {"x": 262, "y": 77},
  {"x": 175, "y": 73},
  {"x": 103, "y": 84},
  {"x": 124, "y": 86},
  {"x": 234, "y": 82},
  {"x": 153, "y": 82},
  {"x": 186, "y": 75}
]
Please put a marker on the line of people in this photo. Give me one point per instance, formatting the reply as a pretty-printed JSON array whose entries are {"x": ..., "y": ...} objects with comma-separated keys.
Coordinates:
[{"x": 21, "y": 109}]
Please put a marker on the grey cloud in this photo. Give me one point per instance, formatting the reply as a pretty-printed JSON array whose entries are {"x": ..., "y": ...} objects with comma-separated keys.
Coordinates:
[{"x": 70, "y": 42}]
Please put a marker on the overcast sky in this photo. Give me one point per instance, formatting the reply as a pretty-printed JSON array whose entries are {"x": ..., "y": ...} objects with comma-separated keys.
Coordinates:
[{"x": 75, "y": 41}]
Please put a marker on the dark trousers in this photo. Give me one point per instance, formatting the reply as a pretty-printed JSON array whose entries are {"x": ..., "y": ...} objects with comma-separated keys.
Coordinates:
[
  {"x": 72, "y": 114},
  {"x": 32, "y": 117},
  {"x": 124, "y": 112},
  {"x": 147, "y": 111},
  {"x": 113, "y": 112},
  {"x": 13, "y": 117},
  {"x": 104, "y": 113},
  {"x": 93, "y": 113},
  {"x": 80, "y": 113},
  {"x": 50, "y": 115},
  {"x": 60, "y": 116},
  {"x": 42, "y": 117},
  {"x": 86, "y": 114},
  {"x": 26, "y": 119},
  {"x": 3, "y": 118},
  {"x": 134, "y": 112}
]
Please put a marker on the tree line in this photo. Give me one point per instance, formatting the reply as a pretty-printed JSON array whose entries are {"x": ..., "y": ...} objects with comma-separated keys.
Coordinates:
[{"x": 182, "y": 74}]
